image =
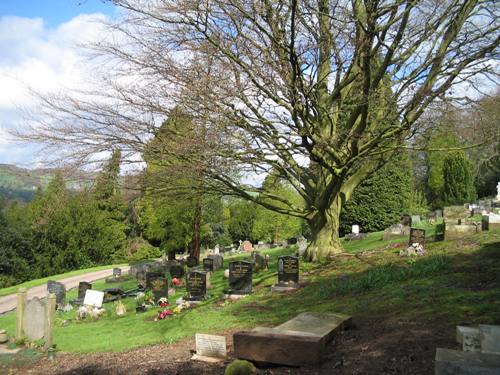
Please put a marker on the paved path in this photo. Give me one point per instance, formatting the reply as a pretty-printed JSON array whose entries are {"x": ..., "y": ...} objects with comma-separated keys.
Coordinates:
[{"x": 8, "y": 303}]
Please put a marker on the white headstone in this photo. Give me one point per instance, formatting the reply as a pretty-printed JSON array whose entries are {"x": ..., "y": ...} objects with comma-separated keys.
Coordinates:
[
  {"x": 355, "y": 229},
  {"x": 217, "y": 249},
  {"x": 211, "y": 346},
  {"x": 498, "y": 191},
  {"x": 93, "y": 298}
]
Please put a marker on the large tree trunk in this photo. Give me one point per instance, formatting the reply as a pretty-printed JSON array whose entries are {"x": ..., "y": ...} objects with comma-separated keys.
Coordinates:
[{"x": 325, "y": 241}]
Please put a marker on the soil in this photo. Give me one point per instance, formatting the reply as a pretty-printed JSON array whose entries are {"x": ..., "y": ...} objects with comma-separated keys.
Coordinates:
[{"x": 374, "y": 345}]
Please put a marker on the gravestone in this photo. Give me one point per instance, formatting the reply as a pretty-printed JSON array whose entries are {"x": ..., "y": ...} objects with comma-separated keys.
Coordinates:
[
  {"x": 240, "y": 277},
  {"x": 34, "y": 320},
  {"x": 415, "y": 219},
  {"x": 158, "y": 284},
  {"x": 218, "y": 261},
  {"x": 405, "y": 220},
  {"x": 192, "y": 261},
  {"x": 417, "y": 236},
  {"x": 288, "y": 270},
  {"x": 59, "y": 290},
  {"x": 457, "y": 362},
  {"x": 217, "y": 249},
  {"x": 259, "y": 261},
  {"x": 355, "y": 229},
  {"x": 211, "y": 346},
  {"x": 455, "y": 214},
  {"x": 83, "y": 286},
  {"x": 439, "y": 214},
  {"x": 396, "y": 231},
  {"x": 141, "y": 279},
  {"x": 247, "y": 246},
  {"x": 117, "y": 272},
  {"x": 196, "y": 285},
  {"x": 93, "y": 298},
  {"x": 177, "y": 271},
  {"x": 208, "y": 264}
]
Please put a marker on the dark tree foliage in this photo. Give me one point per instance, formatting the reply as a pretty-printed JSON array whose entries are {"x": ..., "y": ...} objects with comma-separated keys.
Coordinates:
[
  {"x": 458, "y": 180},
  {"x": 381, "y": 199}
]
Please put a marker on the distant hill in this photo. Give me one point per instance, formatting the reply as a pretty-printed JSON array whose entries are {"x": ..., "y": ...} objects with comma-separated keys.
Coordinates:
[{"x": 21, "y": 184}]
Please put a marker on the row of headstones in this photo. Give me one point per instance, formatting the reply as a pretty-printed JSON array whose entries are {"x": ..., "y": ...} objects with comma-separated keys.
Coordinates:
[{"x": 240, "y": 277}]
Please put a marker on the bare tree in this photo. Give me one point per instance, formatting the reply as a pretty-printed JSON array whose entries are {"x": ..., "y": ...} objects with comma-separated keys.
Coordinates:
[{"x": 321, "y": 91}]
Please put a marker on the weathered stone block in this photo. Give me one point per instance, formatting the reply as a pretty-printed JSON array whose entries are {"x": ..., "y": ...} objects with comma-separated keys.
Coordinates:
[
  {"x": 456, "y": 362},
  {"x": 455, "y": 231},
  {"x": 453, "y": 214},
  {"x": 299, "y": 341}
]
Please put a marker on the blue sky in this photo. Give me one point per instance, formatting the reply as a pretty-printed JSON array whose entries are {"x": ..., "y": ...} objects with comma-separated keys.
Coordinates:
[
  {"x": 53, "y": 12},
  {"x": 37, "y": 50}
]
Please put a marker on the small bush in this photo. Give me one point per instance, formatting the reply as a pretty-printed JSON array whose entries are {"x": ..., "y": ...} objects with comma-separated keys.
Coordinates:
[{"x": 240, "y": 367}]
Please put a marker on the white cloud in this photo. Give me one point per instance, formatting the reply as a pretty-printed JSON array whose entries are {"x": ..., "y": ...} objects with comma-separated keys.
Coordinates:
[{"x": 43, "y": 59}]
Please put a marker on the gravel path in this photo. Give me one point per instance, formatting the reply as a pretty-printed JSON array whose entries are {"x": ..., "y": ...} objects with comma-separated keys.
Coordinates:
[{"x": 8, "y": 303}]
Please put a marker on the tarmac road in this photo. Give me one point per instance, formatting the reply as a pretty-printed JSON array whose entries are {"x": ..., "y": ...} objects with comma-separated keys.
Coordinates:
[{"x": 8, "y": 302}]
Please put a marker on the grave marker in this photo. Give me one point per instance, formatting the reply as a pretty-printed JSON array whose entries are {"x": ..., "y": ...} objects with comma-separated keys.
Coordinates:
[
  {"x": 288, "y": 270},
  {"x": 59, "y": 290},
  {"x": 83, "y": 286},
  {"x": 177, "y": 271},
  {"x": 158, "y": 283},
  {"x": 117, "y": 272},
  {"x": 417, "y": 236},
  {"x": 240, "y": 277},
  {"x": 211, "y": 346},
  {"x": 208, "y": 264},
  {"x": 93, "y": 298},
  {"x": 196, "y": 285}
]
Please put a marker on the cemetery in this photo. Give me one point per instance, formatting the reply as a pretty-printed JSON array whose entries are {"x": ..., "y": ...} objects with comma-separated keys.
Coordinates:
[
  {"x": 250, "y": 187},
  {"x": 292, "y": 314}
]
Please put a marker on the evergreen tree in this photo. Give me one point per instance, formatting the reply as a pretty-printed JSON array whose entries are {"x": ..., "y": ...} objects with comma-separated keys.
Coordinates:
[
  {"x": 458, "y": 180},
  {"x": 381, "y": 199}
]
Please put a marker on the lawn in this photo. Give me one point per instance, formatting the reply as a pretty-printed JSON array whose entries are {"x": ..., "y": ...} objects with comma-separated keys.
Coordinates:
[{"x": 455, "y": 282}]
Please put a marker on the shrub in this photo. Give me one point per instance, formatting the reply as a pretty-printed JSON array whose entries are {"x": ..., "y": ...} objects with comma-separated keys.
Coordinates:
[{"x": 458, "y": 180}]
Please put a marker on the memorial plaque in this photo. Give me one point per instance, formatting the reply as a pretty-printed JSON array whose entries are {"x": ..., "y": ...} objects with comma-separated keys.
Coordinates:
[
  {"x": 417, "y": 236},
  {"x": 288, "y": 269},
  {"x": 240, "y": 277},
  {"x": 83, "y": 286},
  {"x": 158, "y": 284},
  {"x": 211, "y": 346},
  {"x": 59, "y": 290},
  {"x": 196, "y": 285},
  {"x": 93, "y": 298},
  {"x": 208, "y": 264},
  {"x": 177, "y": 271},
  {"x": 117, "y": 272}
]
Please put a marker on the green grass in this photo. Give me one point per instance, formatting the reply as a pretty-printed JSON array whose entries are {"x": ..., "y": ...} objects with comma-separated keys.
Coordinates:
[
  {"x": 32, "y": 283},
  {"x": 455, "y": 282}
]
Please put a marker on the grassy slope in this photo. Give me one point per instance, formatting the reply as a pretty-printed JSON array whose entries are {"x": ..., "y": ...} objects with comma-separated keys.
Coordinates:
[
  {"x": 32, "y": 283},
  {"x": 455, "y": 282}
]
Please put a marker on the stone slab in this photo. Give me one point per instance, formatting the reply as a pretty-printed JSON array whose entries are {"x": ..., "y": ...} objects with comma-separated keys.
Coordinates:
[
  {"x": 210, "y": 345},
  {"x": 456, "y": 231},
  {"x": 456, "y": 362},
  {"x": 489, "y": 337},
  {"x": 299, "y": 341}
]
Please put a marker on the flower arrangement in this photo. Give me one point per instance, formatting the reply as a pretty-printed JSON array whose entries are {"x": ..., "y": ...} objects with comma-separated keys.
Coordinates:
[
  {"x": 163, "y": 302},
  {"x": 163, "y": 314},
  {"x": 176, "y": 281}
]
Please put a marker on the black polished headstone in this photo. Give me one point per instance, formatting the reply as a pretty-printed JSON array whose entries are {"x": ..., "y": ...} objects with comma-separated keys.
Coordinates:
[
  {"x": 417, "y": 236},
  {"x": 240, "y": 277},
  {"x": 177, "y": 271},
  {"x": 288, "y": 269},
  {"x": 192, "y": 261},
  {"x": 158, "y": 284},
  {"x": 59, "y": 290},
  {"x": 83, "y": 286},
  {"x": 208, "y": 264},
  {"x": 196, "y": 285}
]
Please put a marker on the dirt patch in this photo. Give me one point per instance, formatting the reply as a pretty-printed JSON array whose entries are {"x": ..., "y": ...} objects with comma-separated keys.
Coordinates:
[{"x": 375, "y": 345}]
